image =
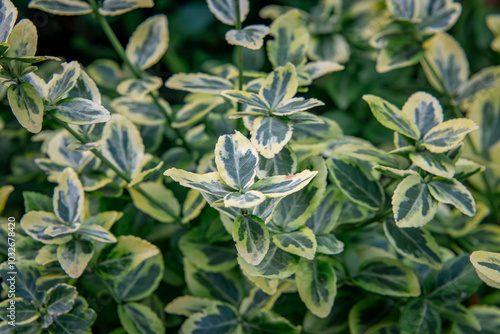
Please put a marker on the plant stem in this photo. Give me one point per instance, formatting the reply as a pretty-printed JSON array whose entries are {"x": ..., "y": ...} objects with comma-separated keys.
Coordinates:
[
  {"x": 118, "y": 172},
  {"x": 239, "y": 49},
  {"x": 108, "y": 31},
  {"x": 377, "y": 218}
]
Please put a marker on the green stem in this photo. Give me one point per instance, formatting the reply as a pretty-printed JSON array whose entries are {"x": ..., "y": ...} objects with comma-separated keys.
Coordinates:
[
  {"x": 108, "y": 31},
  {"x": 118, "y": 172},
  {"x": 239, "y": 49},
  {"x": 379, "y": 217}
]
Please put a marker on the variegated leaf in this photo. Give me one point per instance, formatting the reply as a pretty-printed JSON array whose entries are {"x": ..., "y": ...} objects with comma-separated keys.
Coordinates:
[
  {"x": 283, "y": 185},
  {"x": 149, "y": 42},
  {"x": 391, "y": 117},
  {"x": 198, "y": 83},
  {"x": 295, "y": 105},
  {"x": 251, "y": 237},
  {"x": 394, "y": 172},
  {"x": 62, "y": 83},
  {"x": 60, "y": 299},
  {"x": 389, "y": 277},
  {"x": 355, "y": 183},
  {"x": 26, "y": 105},
  {"x": 122, "y": 145},
  {"x": 118, "y": 7},
  {"x": 218, "y": 318},
  {"x": 326, "y": 215},
  {"x": 244, "y": 201},
  {"x": 74, "y": 256},
  {"x": 483, "y": 81},
  {"x": 465, "y": 168},
  {"x": 253, "y": 100},
  {"x": 400, "y": 52},
  {"x": 97, "y": 233},
  {"x": 279, "y": 86},
  {"x": 445, "y": 57},
  {"x": 301, "y": 242},
  {"x": 424, "y": 110},
  {"x": 236, "y": 160},
  {"x": 193, "y": 112},
  {"x": 487, "y": 265},
  {"x": 291, "y": 40},
  {"x": 75, "y": 110},
  {"x": 283, "y": 163},
  {"x": 26, "y": 312},
  {"x": 143, "y": 112},
  {"x": 62, "y": 7},
  {"x": 448, "y": 135},
  {"x": 493, "y": 23},
  {"x": 317, "y": 286},
  {"x": 137, "y": 89},
  {"x": 453, "y": 192},
  {"x": 260, "y": 321},
  {"x": 441, "y": 20},
  {"x": 34, "y": 201},
  {"x": 225, "y": 10},
  {"x": 8, "y": 15},
  {"x": 211, "y": 182},
  {"x": 85, "y": 87},
  {"x": 434, "y": 163},
  {"x": 419, "y": 317},
  {"x": 251, "y": 37},
  {"x": 192, "y": 206},
  {"x": 22, "y": 40},
  {"x": 328, "y": 244},
  {"x": 412, "y": 203},
  {"x": 59, "y": 153},
  {"x": 277, "y": 264},
  {"x": 138, "y": 318},
  {"x": 317, "y": 69},
  {"x": 404, "y": 9},
  {"x": 37, "y": 224},
  {"x": 188, "y": 305},
  {"x": 270, "y": 135},
  {"x": 415, "y": 244},
  {"x": 163, "y": 195},
  {"x": 370, "y": 314},
  {"x": 68, "y": 200}
]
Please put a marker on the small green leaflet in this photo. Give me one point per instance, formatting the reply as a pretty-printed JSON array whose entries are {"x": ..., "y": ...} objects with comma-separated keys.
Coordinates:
[
  {"x": 251, "y": 237},
  {"x": 317, "y": 285}
]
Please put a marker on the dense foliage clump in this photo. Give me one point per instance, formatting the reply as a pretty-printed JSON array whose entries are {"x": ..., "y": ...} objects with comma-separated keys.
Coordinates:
[{"x": 330, "y": 167}]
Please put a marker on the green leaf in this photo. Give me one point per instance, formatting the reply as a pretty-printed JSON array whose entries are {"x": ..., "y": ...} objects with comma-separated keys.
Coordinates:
[
  {"x": 404, "y": 9},
  {"x": 265, "y": 322},
  {"x": 211, "y": 182},
  {"x": 487, "y": 315},
  {"x": 387, "y": 277},
  {"x": 3, "y": 48},
  {"x": 122, "y": 145},
  {"x": 277, "y": 264},
  {"x": 60, "y": 299},
  {"x": 317, "y": 286},
  {"x": 27, "y": 273},
  {"x": 34, "y": 201},
  {"x": 283, "y": 163},
  {"x": 162, "y": 195},
  {"x": 46, "y": 228},
  {"x": 69, "y": 198},
  {"x": 139, "y": 319},
  {"x": 189, "y": 305},
  {"x": 328, "y": 244},
  {"x": 9, "y": 14},
  {"x": 355, "y": 183},
  {"x": 412, "y": 203},
  {"x": 270, "y": 135},
  {"x": 251, "y": 37},
  {"x": 225, "y": 10},
  {"x": 445, "y": 57},
  {"x": 26, "y": 105},
  {"x": 25, "y": 311},
  {"x": 458, "y": 314},
  {"x": 326, "y": 215},
  {"x": 236, "y": 160},
  {"x": 487, "y": 265},
  {"x": 400, "y": 52},
  {"x": 133, "y": 267},
  {"x": 220, "y": 318},
  {"x": 251, "y": 237},
  {"x": 293, "y": 210},
  {"x": 435, "y": 163},
  {"x": 62, "y": 7},
  {"x": 414, "y": 243},
  {"x": 283, "y": 185},
  {"x": 301, "y": 242},
  {"x": 371, "y": 315},
  {"x": 62, "y": 83},
  {"x": 142, "y": 112},
  {"x": 75, "y": 110},
  {"x": 149, "y": 42},
  {"x": 74, "y": 256},
  {"x": 455, "y": 281},
  {"x": 198, "y": 83},
  {"x": 424, "y": 110},
  {"x": 193, "y": 112},
  {"x": 418, "y": 317},
  {"x": 118, "y": 7},
  {"x": 211, "y": 257},
  {"x": 453, "y": 192},
  {"x": 391, "y": 117},
  {"x": 448, "y": 135}
]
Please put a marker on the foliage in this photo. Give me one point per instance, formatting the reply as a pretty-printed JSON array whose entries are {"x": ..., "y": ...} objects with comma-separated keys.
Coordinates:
[{"x": 319, "y": 201}]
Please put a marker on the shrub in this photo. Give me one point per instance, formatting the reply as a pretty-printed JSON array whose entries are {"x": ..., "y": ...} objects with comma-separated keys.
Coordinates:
[{"x": 301, "y": 215}]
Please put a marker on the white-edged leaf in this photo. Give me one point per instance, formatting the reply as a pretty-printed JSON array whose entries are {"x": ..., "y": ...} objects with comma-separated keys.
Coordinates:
[
  {"x": 453, "y": 192},
  {"x": 270, "y": 135},
  {"x": 225, "y": 10},
  {"x": 251, "y": 37},
  {"x": 424, "y": 110},
  {"x": 62, "y": 83},
  {"x": 198, "y": 83},
  {"x": 244, "y": 201},
  {"x": 251, "y": 237},
  {"x": 68, "y": 200},
  {"x": 8, "y": 13},
  {"x": 75, "y": 110},
  {"x": 211, "y": 182},
  {"x": 62, "y": 7},
  {"x": 118, "y": 7},
  {"x": 283, "y": 185},
  {"x": 435, "y": 163},
  {"x": 448, "y": 135},
  {"x": 26, "y": 105}
]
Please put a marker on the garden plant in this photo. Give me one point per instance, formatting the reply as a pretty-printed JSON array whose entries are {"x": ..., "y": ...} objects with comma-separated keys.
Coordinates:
[{"x": 236, "y": 166}]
